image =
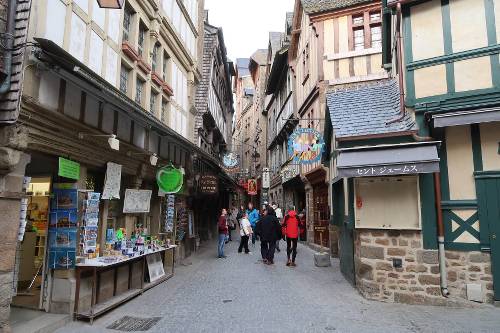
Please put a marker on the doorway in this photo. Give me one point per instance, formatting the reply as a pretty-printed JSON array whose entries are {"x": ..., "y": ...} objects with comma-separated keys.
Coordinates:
[
  {"x": 488, "y": 199},
  {"x": 31, "y": 251},
  {"x": 343, "y": 196}
]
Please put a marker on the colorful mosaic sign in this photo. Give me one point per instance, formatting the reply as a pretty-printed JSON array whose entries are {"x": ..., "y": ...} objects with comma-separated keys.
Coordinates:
[{"x": 306, "y": 145}]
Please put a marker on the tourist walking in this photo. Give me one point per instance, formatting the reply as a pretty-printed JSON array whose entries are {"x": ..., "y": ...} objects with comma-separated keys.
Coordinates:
[
  {"x": 268, "y": 230},
  {"x": 223, "y": 231},
  {"x": 291, "y": 232},
  {"x": 245, "y": 233},
  {"x": 253, "y": 217},
  {"x": 279, "y": 216},
  {"x": 232, "y": 220}
]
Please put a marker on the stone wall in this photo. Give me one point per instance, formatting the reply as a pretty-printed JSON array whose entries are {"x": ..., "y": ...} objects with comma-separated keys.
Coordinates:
[{"x": 417, "y": 281}]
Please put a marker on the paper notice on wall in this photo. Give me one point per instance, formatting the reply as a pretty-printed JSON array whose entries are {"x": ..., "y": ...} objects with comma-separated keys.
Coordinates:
[
  {"x": 137, "y": 201},
  {"x": 112, "y": 181}
]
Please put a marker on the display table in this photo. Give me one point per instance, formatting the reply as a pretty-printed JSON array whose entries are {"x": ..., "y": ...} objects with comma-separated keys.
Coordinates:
[{"x": 113, "y": 283}]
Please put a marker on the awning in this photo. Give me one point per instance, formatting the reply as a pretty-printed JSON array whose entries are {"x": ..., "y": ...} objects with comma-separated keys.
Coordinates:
[
  {"x": 466, "y": 117},
  {"x": 388, "y": 160}
]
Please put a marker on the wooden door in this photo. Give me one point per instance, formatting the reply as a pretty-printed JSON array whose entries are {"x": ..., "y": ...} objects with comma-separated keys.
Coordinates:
[
  {"x": 321, "y": 218},
  {"x": 488, "y": 196}
]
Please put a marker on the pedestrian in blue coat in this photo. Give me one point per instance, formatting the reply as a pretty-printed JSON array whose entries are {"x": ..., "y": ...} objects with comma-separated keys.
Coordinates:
[{"x": 253, "y": 217}]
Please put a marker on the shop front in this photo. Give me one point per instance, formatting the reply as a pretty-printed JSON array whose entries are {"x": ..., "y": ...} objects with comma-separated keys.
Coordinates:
[{"x": 109, "y": 193}]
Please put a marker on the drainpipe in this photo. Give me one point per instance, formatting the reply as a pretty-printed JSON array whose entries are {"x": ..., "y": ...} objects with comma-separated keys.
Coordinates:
[
  {"x": 11, "y": 23},
  {"x": 399, "y": 59},
  {"x": 440, "y": 227}
]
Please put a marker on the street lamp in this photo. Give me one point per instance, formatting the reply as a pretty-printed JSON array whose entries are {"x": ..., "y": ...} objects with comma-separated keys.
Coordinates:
[{"x": 111, "y": 4}]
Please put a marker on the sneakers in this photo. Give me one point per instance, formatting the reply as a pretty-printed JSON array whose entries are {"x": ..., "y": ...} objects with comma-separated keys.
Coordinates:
[
  {"x": 293, "y": 264},
  {"x": 288, "y": 263}
]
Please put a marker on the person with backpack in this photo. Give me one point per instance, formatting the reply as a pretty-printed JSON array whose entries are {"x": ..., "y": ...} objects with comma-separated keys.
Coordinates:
[
  {"x": 291, "y": 232},
  {"x": 269, "y": 230},
  {"x": 223, "y": 231}
]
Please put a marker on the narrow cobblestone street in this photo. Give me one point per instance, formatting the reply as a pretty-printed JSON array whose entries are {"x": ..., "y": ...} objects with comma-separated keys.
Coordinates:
[{"x": 240, "y": 294}]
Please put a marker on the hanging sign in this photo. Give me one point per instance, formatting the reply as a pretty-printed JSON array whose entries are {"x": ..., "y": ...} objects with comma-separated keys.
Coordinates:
[
  {"x": 266, "y": 178},
  {"x": 230, "y": 161},
  {"x": 252, "y": 187},
  {"x": 69, "y": 169},
  {"x": 170, "y": 179},
  {"x": 209, "y": 184},
  {"x": 112, "y": 181},
  {"x": 306, "y": 145}
]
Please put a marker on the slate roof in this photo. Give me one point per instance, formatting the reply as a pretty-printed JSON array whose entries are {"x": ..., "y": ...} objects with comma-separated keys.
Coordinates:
[
  {"x": 366, "y": 110},
  {"x": 318, "y": 6}
]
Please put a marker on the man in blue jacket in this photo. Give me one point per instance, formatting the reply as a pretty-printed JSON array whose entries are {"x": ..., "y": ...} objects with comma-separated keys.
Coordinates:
[{"x": 253, "y": 217}]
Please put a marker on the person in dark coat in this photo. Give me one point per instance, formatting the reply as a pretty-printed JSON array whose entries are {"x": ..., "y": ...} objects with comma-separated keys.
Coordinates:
[{"x": 269, "y": 231}]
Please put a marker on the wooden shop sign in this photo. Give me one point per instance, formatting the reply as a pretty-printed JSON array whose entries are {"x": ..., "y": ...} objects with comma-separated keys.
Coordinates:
[{"x": 209, "y": 184}]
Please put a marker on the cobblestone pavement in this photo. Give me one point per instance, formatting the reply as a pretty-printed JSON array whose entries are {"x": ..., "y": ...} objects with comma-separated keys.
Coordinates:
[{"x": 240, "y": 294}]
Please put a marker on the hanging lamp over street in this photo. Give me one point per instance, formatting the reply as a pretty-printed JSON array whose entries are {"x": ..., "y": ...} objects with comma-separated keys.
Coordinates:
[{"x": 111, "y": 4}]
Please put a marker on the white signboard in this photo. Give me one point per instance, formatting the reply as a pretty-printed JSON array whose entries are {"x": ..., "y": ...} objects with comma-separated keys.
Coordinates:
[
  {"x": 137, "y": 201},
  {"x": 112, "y": 181},
  {"x": 266, "y": 178},
  {"x": 155, "y": 267}
]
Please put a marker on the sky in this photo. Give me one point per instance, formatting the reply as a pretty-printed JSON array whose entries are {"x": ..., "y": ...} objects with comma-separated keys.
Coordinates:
[{"x": 246, "y": 23}]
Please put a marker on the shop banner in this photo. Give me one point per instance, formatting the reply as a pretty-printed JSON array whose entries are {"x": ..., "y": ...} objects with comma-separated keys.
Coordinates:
[
  {"x": 306, "y": 146},
  {"x": 68, "y": 169},
  {"x": 112, "y": 181},
  {"x": 136, "y": 201},
  {"x": 252, "y": 187}
]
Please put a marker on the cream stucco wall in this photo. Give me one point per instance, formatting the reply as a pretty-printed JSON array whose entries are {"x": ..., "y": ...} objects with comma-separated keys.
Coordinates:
[
  {"x": 460, "y": 163},
  {"x": 473, "y": 74},
  {"x": 430, "y": 81},
  {"x": 468, "y": 25},
  {"x": 490, "y": 145},
  {"x": 426, "y": 30}
]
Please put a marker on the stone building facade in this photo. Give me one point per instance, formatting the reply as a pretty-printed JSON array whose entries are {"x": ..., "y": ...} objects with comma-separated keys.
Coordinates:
[
  {"x": 13, "y": 140},
  {"x": 214, "y": 98}
]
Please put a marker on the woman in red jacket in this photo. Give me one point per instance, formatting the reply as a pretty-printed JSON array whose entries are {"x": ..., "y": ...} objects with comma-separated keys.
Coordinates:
[{"x": 291, "y": 228}]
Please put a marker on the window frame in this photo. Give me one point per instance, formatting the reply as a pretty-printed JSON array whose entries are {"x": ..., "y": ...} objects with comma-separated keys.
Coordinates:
[
  {"x": 141, "y": 39},
  {"x": 139, "y": 90},
  {"x": 366, "y": 25},
  {"x": 124, "y": 69},
  {"x": 127, "y": 24}
]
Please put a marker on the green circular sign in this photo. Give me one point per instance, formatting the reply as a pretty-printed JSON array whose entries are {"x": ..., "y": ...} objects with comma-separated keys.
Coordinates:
[{"x": 170, "y": 179}]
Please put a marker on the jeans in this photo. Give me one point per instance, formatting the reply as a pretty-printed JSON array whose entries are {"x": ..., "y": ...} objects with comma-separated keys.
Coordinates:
[
  {"x": 291, "y": 248},
  {"x": 244, "y": 244},
  {"x": 222, "y": 241},
  {"x": 267, "y": 250}
]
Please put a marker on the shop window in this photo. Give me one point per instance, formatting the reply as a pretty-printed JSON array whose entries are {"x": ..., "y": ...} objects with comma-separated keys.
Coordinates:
[
  {"x": 387, "y": 203},
  {"x": 124, "y": 73}
]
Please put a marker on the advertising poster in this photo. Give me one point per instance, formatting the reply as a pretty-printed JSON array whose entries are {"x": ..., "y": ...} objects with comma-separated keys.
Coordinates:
[
  {"x": 252, "y": 187},
  {"x": 136, "y": 201}
]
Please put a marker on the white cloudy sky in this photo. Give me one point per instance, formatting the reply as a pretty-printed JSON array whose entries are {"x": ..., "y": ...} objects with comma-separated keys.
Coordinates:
[{"x": 246, "y": 23}]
